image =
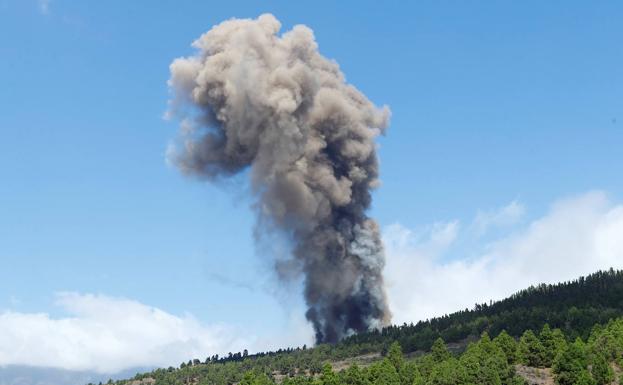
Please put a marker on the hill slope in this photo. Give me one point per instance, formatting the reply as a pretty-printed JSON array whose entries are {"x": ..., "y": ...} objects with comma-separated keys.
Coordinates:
[{"x": 571, "y": 308}]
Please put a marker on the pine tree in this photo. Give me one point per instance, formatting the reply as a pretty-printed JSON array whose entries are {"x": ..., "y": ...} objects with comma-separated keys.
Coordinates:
[
  {"x": 384, "y": 373},
  {"x": 508, "y": 346},
  {"x": 601, "y": 371},
  {"x": 395, "y": 355},
  {"x": 485, "y": 363},
  {"x": 354, "y": 376},
  {"x": 584, "y": 378},
  {"x": 328, "y": 376},
  {"x": 560, "y": 342},
  {"x": 410, "y": 374},
  {"x": 530, "y": 351},
  {"x": 571, "y": 364},
  {"x": 439, "y": 351},
  {"x": 448, "y": 372},
  {"x": 549, "y": 346}
]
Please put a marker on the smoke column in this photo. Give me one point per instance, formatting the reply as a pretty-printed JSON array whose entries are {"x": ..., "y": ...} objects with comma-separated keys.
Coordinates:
[{"x": 251, "y": 99}]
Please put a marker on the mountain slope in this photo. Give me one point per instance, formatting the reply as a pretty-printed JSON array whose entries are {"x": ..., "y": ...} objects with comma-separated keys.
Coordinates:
[{"x": 574, "y": 307}]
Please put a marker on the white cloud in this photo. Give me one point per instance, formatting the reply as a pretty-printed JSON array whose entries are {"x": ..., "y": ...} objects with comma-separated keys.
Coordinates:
[
  {"x": 503, "y": 217},
  {"x": 577, "y": 236},
  {"x": 44, "y": 6},
  {"x": 108, "y": 334}
]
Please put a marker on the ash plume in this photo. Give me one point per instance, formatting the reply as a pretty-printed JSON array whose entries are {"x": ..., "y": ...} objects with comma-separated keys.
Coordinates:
[{"x": 251, "y": 99}]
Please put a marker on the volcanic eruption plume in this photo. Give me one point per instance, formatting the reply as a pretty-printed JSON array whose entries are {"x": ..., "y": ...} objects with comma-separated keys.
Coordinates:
[{"x": 253, "y": 99}]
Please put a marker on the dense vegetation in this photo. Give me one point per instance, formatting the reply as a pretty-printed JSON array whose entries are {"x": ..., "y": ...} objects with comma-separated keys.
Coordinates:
[
  {"x": 572, "y": 306},
  {"x": 568, "y": 338}
]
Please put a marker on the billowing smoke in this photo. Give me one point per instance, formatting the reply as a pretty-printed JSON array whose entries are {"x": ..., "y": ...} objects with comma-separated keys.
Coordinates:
[{"x": 251, "y": 99}]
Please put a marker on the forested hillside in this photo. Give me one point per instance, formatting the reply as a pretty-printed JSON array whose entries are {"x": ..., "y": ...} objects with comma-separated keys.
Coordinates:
[
  {"x": 572, "y": 306},
  {"x": 573, "y": 328}
]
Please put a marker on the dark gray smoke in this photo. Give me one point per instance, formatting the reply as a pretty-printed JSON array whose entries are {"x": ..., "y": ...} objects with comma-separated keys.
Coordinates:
[{"x": 251, "y": 98}]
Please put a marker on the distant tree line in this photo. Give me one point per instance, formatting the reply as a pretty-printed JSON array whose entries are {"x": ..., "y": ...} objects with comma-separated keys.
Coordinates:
[{"x": 573, "y": 306}]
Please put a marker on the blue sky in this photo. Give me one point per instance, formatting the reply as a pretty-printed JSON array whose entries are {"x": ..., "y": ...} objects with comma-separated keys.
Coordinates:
[{"x": 492, "y": 103}]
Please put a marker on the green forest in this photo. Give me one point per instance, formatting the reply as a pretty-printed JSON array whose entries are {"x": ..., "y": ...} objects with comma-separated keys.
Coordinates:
[{"x": 571, "y": 332}]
